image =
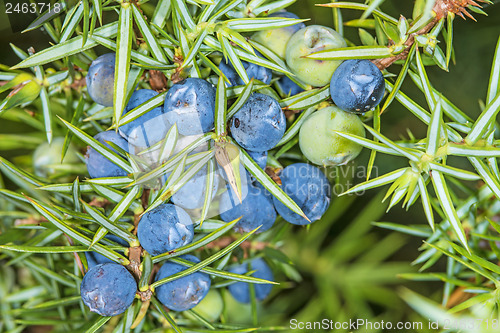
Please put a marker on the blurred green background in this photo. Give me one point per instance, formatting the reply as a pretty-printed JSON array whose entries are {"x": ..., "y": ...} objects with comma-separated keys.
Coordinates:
[{"x": 349, "y": 267}]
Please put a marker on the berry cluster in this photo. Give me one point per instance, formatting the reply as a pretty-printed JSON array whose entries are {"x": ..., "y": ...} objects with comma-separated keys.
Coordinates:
[
  {"x": 257, "y": 127},
  {"x": 356, "y": 86},
  {"x": 190, "y": 104}
]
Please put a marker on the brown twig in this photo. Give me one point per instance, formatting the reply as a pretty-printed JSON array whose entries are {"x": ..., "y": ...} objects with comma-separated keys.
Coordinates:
[
  {"x": 386, "y": 62},
  {"x": 273, "y": 173},
  {"x": 178, "y": 59},
  {"x": 441, "y": 10},
  {"x": 157, "y": 80},
  {"x": 99, "y": 202},
  {"x": 134, "y": 256},
  {"x": 144, "y": 198},
  {"x": 137, "y": 218}
]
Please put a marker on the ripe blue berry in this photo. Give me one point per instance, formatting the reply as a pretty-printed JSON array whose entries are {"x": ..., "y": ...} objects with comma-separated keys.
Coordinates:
[
  {"x": 260, "y": 124},
  {"x": 309, "y": 188},
  {"x": 357, "y": 86},
  {"x": 256, "y": 209},
  {"x": 309, "y": 40},
  {"x": 165, "y": 228},
  {"x": 184, "y": 293},
  {"x": 191, "y": 104},
  {"x": 276, "y": 39},
  {"x": 94, "y": 258},
  {"x": 101, "y": 79},
  {"x": 321, "y": 145},
  {"x": 241, "y": 290},
  {"x": 149, "y": 128},
  {"x": 192, "y": 194},
  {"x": 99, "y": 166},
  {"x": 288, "y": 87},
  {"x": 260, "y": 157},
  {"x": 108, "y": 289},
  {"x": 253, "y": 71},
  {"x": 182, "y": 142}
]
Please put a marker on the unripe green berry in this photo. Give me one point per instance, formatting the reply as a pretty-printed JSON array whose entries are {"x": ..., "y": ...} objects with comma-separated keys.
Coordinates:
[
  {"x": 277, "y": 39},
  {"x": 210, "y": 307},
  {"x": 321, "y": 145},
  {"x": 47, "y": 157},
  {"x": 311, "y": 39}
]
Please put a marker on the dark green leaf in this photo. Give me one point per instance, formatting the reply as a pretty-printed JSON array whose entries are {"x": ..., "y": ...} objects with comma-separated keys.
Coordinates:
[{"x": 67, "y": 48}]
